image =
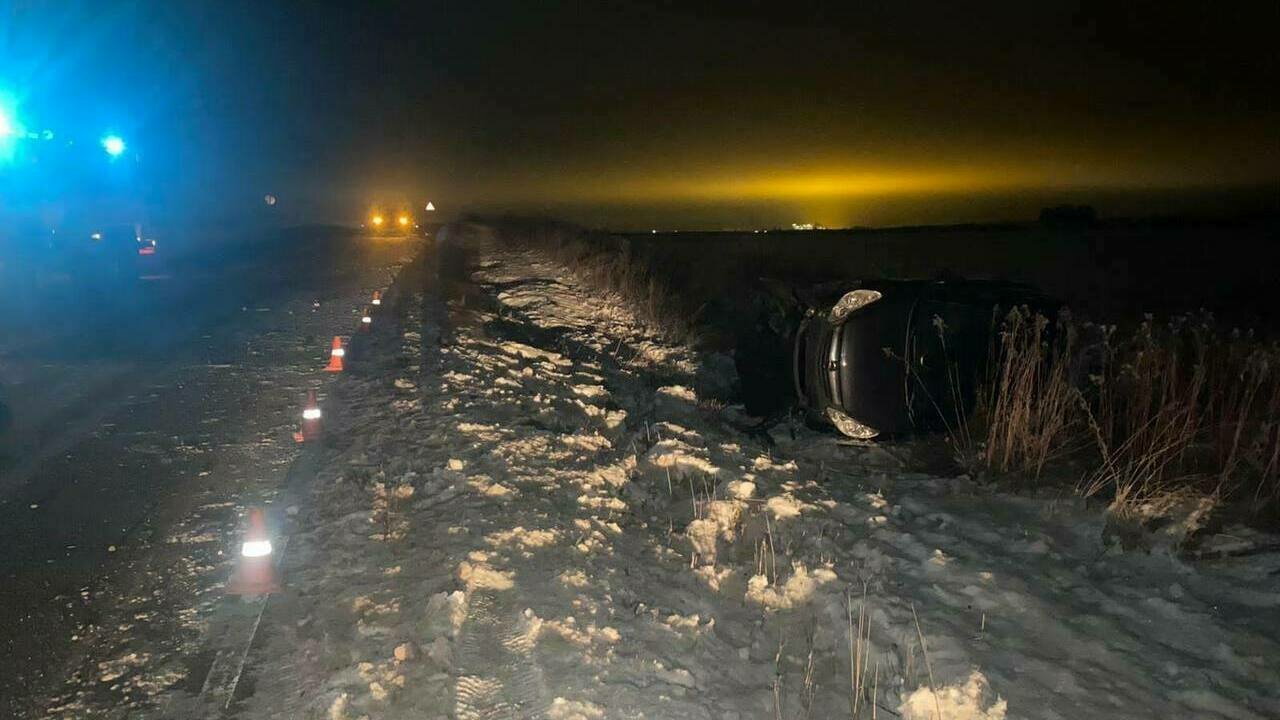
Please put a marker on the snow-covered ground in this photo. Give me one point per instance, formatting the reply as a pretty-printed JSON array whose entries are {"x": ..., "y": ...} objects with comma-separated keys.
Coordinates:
[{"x": 529, "y": 512}]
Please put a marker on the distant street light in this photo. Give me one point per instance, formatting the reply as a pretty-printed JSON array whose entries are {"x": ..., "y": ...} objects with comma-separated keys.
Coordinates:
[
  {"x": 6, "y": 125},
  {"x": 114, "y": 145}
]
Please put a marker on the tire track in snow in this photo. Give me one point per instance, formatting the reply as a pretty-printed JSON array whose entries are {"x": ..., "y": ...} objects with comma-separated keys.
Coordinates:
[{"x": 500, "y": 678}]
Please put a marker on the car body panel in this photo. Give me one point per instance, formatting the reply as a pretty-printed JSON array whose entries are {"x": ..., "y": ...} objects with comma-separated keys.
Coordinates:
[{"x": 908, "y": 359}]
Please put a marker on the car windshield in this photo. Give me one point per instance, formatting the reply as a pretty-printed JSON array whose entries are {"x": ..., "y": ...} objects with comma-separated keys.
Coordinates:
[{"x": 639, "y": 359}]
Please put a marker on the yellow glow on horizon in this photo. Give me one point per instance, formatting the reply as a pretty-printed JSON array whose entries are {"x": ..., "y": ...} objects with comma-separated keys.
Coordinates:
[
  {"x": 830, "y": 185},
  {"x": 835, "y": 185}
]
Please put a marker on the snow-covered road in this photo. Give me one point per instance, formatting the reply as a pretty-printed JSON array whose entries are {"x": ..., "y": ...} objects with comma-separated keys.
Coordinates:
[
  {"x": 117, "y": 543},
  {"x": 531, "y": 507}
]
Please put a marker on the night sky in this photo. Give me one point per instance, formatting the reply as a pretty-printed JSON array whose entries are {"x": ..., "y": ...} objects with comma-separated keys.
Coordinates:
[{"x": 671, "y": 114}]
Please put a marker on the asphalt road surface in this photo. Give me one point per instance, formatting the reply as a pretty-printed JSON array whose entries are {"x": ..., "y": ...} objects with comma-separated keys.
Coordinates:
[{"x": 144, "y": 416}]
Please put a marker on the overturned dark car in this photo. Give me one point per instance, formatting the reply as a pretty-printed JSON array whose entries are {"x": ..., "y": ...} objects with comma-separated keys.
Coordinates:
[{"x": 882, "y": 357}]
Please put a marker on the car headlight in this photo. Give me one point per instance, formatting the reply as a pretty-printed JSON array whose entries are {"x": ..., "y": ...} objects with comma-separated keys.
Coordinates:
[
  {"x": 850, "y": 427},
  {"x": 853, "y": 300}
]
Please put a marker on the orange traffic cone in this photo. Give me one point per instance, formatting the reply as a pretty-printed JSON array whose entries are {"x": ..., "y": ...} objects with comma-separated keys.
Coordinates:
[
  {"x": 336, "y": 355},
  {"x": 366, "y": 321},
  {"x": 255, "y": 572},
  {"x": 377, "y": 298},
  {"x": 310, "y": 420}
]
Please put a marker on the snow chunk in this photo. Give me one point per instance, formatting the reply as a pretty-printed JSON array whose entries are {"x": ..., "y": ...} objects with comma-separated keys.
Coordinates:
[
  {"x": 784, "y": 506},
  {"x": 741, "y": 489},
  {"x": 764, "y": 463},
  {"x": 602, "y": 502},
  {"x": 490, "y": 433},
  {"x": 727, "y": 515},
  {"x": 590, "y": 443},
  {"x": 679, "y": 392},
  {"x": 524, "y": 538},
  {"x": 968, "y": 701},
  {"x": 712, "y": 576},
  {"x": 482, "y": 575},
  {"x": 441, "y": 653},
  {"x": 798, "y": 589},
  {"x": 528, "y": 352},
  {"x": 590, "y": 391},
  {"x": 562, "y": 709},
  {"x": 612, "y": 475},
  {"x": 574, "y": 578},
  {"x": 445, "y": 613},
  {"x": 115, "y": 669},
  {"x": 704, "y": 534},
  {"x": 582, "y": 636},
  {"x": 675, "y": 676},
  {"x": 485, "y": 485},
  {"x": 338, "y": 710},
  {"x": 679, "y": 458}
]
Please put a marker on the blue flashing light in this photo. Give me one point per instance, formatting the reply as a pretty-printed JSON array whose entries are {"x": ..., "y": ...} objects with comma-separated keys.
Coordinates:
[
  {"x": 114, "y": 145},
  {"x": 10, "y": 132}
]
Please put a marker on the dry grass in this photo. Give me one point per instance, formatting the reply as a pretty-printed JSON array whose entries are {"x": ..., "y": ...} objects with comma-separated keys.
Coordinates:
[
  {"x": 1181, "y": 410},
  {"x": 612, "y": 264},
  {"x": 1170, "y": 413},
  {"x": 1028, "y": 404},
  {"x": 859, "y": 637}
]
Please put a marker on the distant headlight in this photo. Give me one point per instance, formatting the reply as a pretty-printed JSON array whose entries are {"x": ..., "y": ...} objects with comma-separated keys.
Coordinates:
[
  {"x": 403, "y": 220},
  {"x": 854, "y": 300},
  {"x": 376, "y": 220},
  {"x": 850, "y": 427}
]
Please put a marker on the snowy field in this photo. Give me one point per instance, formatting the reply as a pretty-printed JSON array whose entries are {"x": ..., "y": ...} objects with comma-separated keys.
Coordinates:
[{"x": 529, "y": 509}]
